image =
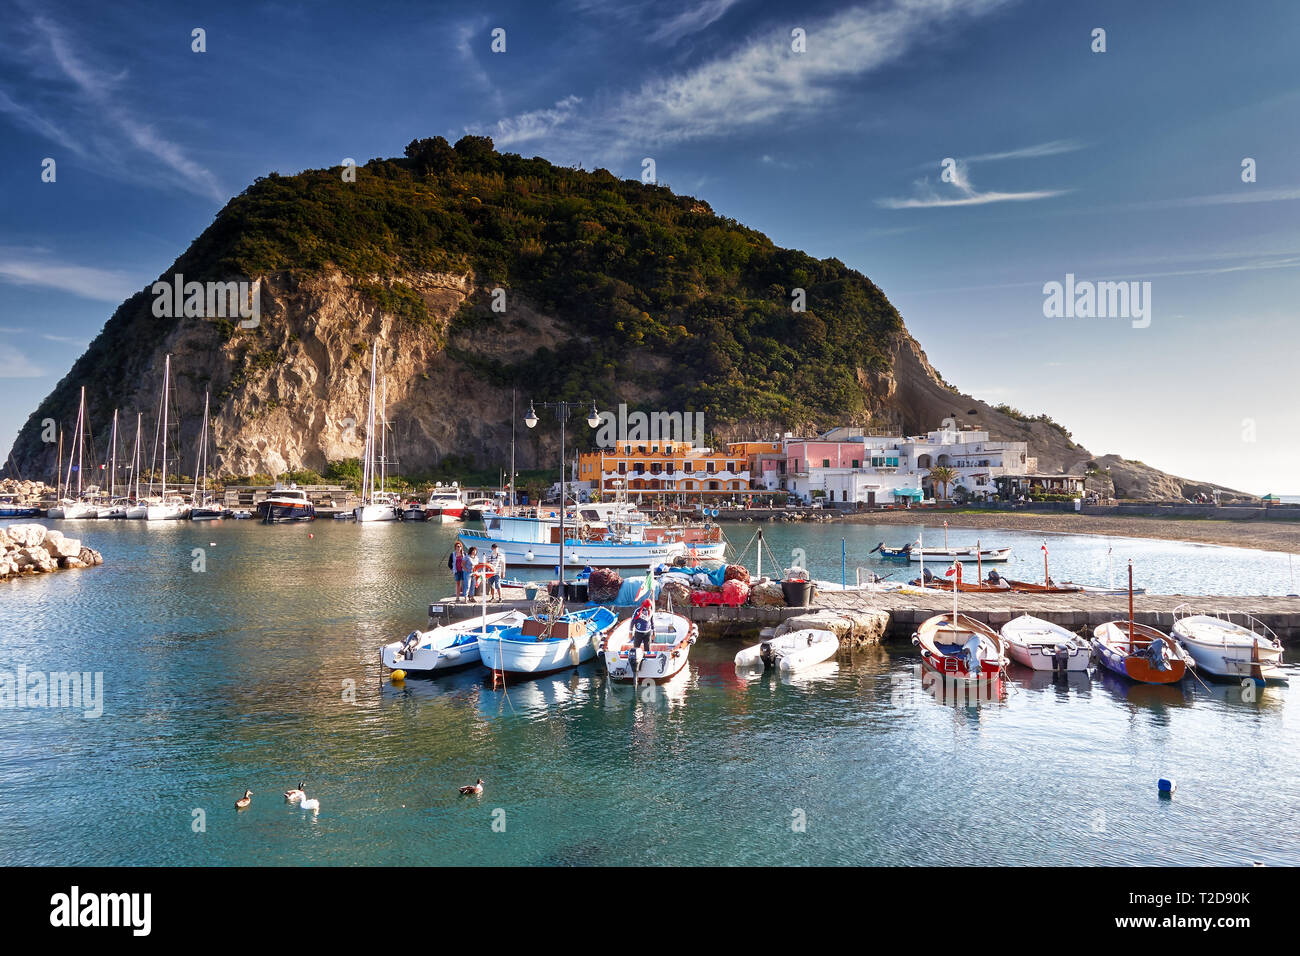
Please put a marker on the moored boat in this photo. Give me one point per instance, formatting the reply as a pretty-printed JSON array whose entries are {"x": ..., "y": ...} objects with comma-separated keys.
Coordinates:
[
  {"x": 284, "y": 505},
  {"x": 445, "y": 504},
  {"x": 1229, "y": 645},
  {"x": 670, "y": 645},
  {"x": 449, "y": 647},
  {"x": 546, "y": 643},
  {"x": 1045, "y": 646},
  {"x": 791, "y": 651},
  {"x": 909, "y": 552},
  {"x": 960, "y": 647},
  {"x": 1139, "y": 652}
]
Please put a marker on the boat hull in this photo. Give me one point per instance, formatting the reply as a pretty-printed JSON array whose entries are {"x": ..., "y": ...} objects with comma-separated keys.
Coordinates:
[
  {"x": 666, "y": 658},
  {"x": 374, "y": 513},
  {"x": 960, "y": 648},
  {"x": 276, "y": 512},
  {"x": 515, "y": 652},
  {"x": 1043, "y": 646},
  {"x": 1232, "y": 653},
  {"x": 446, "y": 648},
  {"x": 1113, "y": 651},
  {"x": 595, "y": 553}
]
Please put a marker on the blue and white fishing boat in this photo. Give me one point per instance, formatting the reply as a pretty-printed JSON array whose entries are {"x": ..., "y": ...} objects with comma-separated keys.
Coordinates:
[
  {"x": 544, "y": 644},
  {"x": 612, "y": 545},
  {"x": 449, "y": 647}
]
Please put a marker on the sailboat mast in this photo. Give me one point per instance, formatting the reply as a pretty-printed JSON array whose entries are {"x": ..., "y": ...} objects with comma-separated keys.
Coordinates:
[
  {"x": 201, "y": 456},
  {"x": 135, "y": 455},
  {"x": 167, "y": 376},
  {"x": 383, "y": 439},
  {"x": 112, "y": 475},
  {"x": 81, "y": 437},
  {"x": 512, "y": 450},
  {"x": 368, "y": 474},
  {"x": 58, "y": 469}
]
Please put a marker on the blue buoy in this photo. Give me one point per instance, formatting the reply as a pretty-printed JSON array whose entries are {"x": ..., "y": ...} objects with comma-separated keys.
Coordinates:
[{"x": 1166, "y": 787}]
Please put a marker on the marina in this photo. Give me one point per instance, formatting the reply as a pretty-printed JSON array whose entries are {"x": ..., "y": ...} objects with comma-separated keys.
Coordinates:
[{"x": 211, "y": 689}]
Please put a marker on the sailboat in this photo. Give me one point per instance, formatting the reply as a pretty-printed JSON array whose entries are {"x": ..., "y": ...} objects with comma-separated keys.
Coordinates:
[
  {"x": 204, "y": 507},
  {"x": 136, "y": 509},
  {"x": 116, "y": 507},
  {"x": 79, "y": 507},
  {"x": 166, "y": 507},
  {"x": 373, "y": 507}
]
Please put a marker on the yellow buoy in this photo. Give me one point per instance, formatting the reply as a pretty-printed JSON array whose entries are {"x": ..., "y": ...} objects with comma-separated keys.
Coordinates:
[{"x": 397, "y": 676}]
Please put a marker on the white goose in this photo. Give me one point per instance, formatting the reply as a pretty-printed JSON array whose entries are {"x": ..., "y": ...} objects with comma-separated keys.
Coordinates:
[{"x": 309, "y": 803}]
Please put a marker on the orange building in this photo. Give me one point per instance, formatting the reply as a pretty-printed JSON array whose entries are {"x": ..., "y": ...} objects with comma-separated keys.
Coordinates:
[{"x": 668, "y": 468}]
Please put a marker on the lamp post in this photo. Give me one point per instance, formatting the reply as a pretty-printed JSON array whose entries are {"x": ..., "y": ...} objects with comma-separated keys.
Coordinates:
[{"x": 562, "y": 410}]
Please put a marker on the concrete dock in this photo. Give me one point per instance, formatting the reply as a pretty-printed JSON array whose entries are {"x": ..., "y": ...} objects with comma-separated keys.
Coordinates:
[{"x": 1078, "y": 612}]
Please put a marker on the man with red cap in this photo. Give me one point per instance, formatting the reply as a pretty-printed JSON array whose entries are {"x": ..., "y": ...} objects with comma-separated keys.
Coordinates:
[{"x": 643, "y": 626}]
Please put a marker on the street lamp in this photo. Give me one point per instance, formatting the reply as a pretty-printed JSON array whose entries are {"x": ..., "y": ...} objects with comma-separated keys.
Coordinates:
[{"x": 562, "y": 412}]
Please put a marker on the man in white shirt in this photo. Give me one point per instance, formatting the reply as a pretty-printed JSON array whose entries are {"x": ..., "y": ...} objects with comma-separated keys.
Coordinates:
[{"x": 498, "y": 561}]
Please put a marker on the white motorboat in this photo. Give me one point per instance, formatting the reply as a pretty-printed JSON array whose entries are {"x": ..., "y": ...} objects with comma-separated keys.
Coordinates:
[
  {"x": 1231, "y": 645},
  {"x": 670, "y": 645},
  {"x": 73, "y": 510},
  {"x": 792, "y": 650},
  {"x": 445, "y": 504},
  {"x": 544, "y": 644},
  {"x": 1045, "y": 646},
  {"x": 448, "y": 647},
  {"x": 913, "y": 553},
  {"x": 536, "y": 541}
]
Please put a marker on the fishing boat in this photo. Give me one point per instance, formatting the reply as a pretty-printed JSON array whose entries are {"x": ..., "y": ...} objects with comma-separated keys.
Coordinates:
[
  {"x": 445, "y": 504},
  {"x": 1045, "y": 646},
  {"x": 960, "y": 647},
  {"x": 1229, "y": 644},
  {"x": 548, "y": 642},
  {"x": 1093, "y": 589},
  {"x": 526, "y": 540},
  {"x": 12, "y": 506},
  {"x": 965, "y": 587},
  {"x": 791, "y": 651},
  {"x": 1139, "y": 652},
  {"x": 286, "y": 504},
  {"x": 910, "y": 552},
  {"x": 670, "y": 645},
  {"x": 449, "y": 647},
  {"x": 1028, "y": 587}
]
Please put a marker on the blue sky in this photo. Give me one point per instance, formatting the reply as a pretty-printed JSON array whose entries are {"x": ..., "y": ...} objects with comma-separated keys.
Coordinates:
[{"x": 1122, "y": 165}]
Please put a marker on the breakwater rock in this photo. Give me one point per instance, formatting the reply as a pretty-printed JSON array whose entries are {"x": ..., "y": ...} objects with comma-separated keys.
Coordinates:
[{"x": 36, "y": 549}]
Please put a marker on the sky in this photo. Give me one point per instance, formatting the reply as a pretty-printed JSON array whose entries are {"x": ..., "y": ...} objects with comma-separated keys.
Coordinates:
[{"x": 963, "y": 154}]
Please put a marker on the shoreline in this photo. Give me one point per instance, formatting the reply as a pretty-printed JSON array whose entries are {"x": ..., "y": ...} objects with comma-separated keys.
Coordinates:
[{"x": 1279, "y": 536}]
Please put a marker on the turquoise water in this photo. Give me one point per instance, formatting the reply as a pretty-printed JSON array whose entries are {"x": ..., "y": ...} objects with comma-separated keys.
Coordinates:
[{"x": 261, "y": 670}]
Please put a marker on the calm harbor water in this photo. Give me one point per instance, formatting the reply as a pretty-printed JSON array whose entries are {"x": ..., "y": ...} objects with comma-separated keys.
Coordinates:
[{"x": 261, "y": 670}]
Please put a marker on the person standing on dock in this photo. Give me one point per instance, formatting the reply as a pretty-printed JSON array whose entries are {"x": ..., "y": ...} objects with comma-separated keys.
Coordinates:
[
  {"x": 471, "y": 562},
  {"x": 498, "y": 561},
  {"x": 456, "y": 561}
]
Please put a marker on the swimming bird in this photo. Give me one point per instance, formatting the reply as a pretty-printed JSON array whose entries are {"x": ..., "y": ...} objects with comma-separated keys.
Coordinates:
[
  {"x": 473, "y": 789},
  {"x": 310, "y": 803},
  {"x": 243, "y": 802},
  {"x": 292, "y": 795}
]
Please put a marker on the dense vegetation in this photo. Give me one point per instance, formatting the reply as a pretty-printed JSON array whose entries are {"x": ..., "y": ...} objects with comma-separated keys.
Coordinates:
[{"x": 632, "y": 268}]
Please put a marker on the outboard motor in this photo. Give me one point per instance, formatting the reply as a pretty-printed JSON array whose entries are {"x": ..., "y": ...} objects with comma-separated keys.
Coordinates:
[
  {"x": 767, "y": 654},
  {"x": 407, "y": 650},
  {"x": 633, "y": 662},
  {"x": 1156, "y": 655},
  {"x": 1061, "y": 659}
]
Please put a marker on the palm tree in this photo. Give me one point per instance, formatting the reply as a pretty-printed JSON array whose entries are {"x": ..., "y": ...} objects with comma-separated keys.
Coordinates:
[{"x": 943, "y": 476}]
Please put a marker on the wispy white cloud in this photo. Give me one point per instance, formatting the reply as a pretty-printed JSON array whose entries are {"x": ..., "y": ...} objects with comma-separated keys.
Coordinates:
[
  {"x": 696, "y": 17},
  {"x": 528, "y": 127},
  {"x": 968, "y": 197},
  {"x": 102, "y": 285},
  {"x": 14, "y": 364},
  {"x": 94, "y": 114},
  {"x": 1053, "y": 148},
  {"x": 1248, "y": 194},
  {"x": 757, "y": 82},
  {"x": 66, "y": 340},
  {"x": 964, "y": 193}
]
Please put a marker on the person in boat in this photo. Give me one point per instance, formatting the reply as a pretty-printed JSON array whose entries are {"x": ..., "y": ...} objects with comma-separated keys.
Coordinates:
[
  {"x": 994, "y": 577},
  {"x": 456, "y": 562},
  {"x": 498, "y": 561},
  {"x": 927, "y": 576},
  {"x": 643, "y": 626}
]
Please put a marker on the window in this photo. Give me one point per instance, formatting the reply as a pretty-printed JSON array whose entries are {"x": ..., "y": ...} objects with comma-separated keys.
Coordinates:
[
  {"x": 688, "y": 467},
  {"x": 826, "y": 462},
  {"x": 858, "y": 464},
  {"x": 709, "y": 467}
]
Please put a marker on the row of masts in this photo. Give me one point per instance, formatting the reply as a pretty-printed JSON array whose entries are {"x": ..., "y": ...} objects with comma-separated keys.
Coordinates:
[{"x": 77, "y": 452}]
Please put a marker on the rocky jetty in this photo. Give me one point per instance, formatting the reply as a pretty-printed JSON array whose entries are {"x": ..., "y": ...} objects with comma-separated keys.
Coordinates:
[{"x": 36, "y": 549}]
